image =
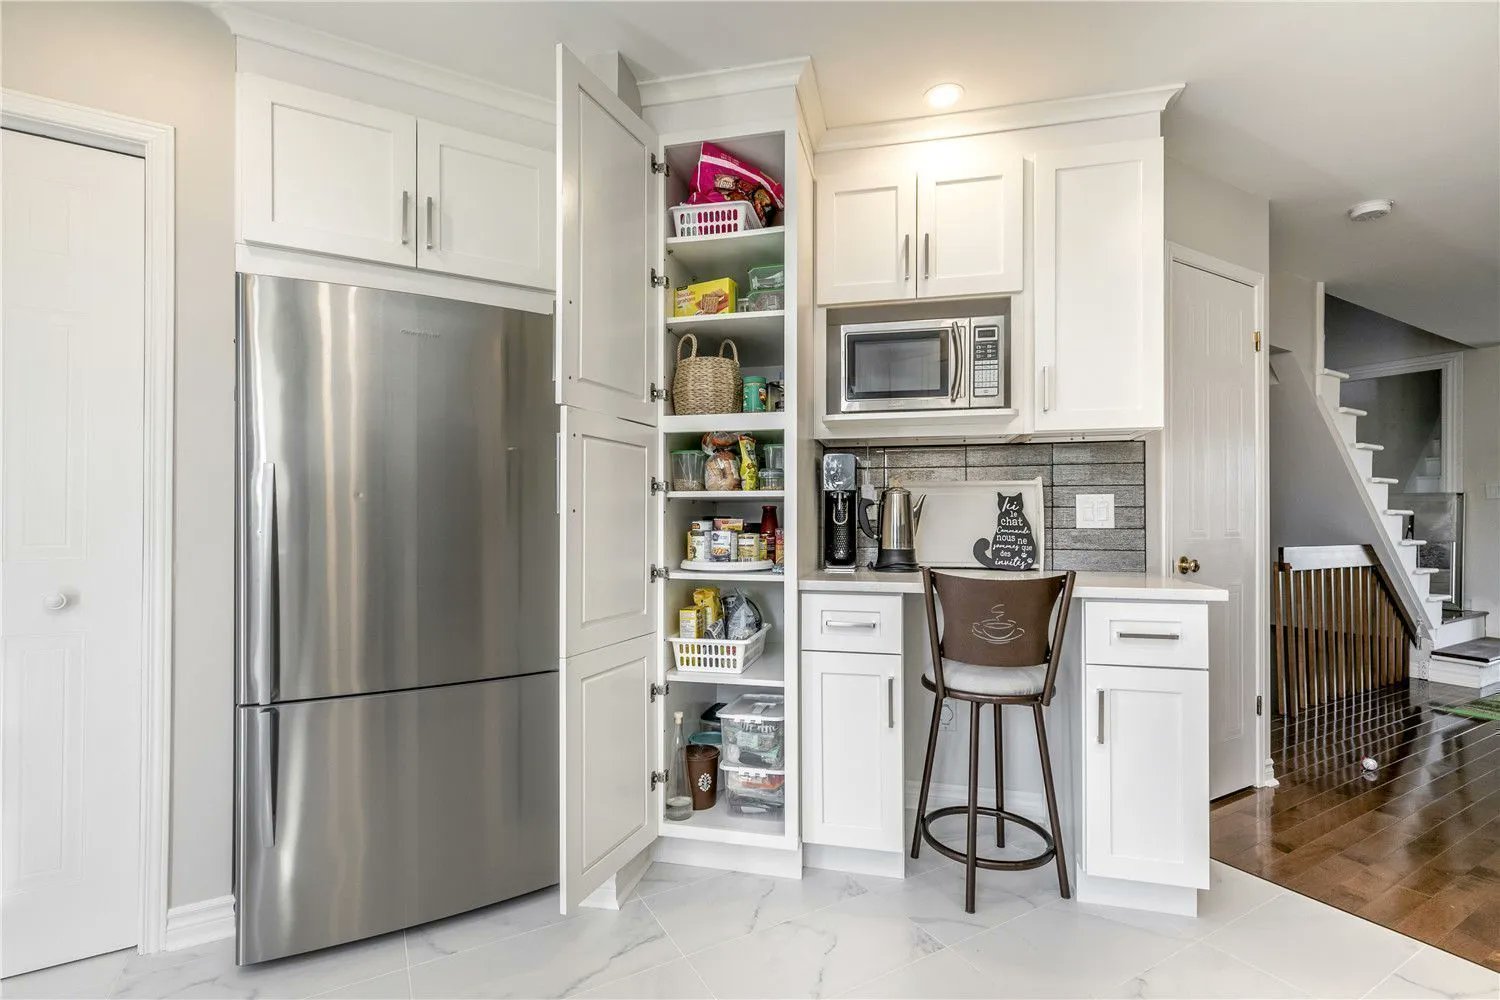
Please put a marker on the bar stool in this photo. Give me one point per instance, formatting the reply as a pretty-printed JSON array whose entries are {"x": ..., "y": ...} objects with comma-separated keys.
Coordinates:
[{"x": 998, "y": 644}]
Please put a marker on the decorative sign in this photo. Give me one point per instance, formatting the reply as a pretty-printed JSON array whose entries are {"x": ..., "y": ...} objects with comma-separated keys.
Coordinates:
[
  {"x": 1012, "y": 546},
  {"x": 957, "y": 515}
]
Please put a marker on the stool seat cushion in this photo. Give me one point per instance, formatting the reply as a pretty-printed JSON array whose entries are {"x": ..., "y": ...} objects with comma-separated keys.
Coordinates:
[{"x": 1002, "y": 681}]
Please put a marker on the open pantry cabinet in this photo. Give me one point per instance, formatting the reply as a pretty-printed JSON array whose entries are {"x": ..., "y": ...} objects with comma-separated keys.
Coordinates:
[{"x": 624, "y": 527}]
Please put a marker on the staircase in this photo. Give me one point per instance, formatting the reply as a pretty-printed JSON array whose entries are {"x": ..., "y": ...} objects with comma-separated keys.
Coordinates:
[{"x": 1427, "y": 476}]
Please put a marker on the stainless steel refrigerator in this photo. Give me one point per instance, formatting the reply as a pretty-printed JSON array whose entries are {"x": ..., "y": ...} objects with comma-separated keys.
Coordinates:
[{"x": 396, "y": 614}]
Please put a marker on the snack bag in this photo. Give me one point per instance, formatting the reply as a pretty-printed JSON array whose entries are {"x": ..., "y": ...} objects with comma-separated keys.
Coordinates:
[
  {"x": 749, "y": 466},
  {"x": 721, "y": 177}
]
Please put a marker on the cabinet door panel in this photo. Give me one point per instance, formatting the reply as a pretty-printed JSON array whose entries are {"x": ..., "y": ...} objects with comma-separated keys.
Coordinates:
[
  {"x": 866, "y": 221},
  {"x": 969, "y": 220},
  {"x": 486, "y": 206},
  {"x": 852, "y": 769},
  {"x": 320, "y": 172},
  {"x": 1146, "y": 774},
  {"x": 1100, "y": 287}
]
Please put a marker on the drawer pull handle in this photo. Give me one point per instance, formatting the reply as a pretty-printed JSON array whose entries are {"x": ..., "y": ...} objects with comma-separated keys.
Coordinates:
[
  {"x": 834, "y": 623},
  {"x": 1170, "y": 636}
]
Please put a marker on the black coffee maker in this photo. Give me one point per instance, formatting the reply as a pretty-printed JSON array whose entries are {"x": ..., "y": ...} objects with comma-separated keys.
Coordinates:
[{"x": 839, "y": 490}]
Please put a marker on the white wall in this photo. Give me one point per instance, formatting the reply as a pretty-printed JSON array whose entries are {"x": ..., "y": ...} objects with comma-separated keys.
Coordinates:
[
  {"x": 1481, "y": 460},
  {"x": 173, "y": 63},
  {"x": 1218, "y": 219},
  {"x": 1295, "y": 319}
]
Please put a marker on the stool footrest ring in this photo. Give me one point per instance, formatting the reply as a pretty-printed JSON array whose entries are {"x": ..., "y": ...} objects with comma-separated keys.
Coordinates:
[{"x": 990, "y": 864}]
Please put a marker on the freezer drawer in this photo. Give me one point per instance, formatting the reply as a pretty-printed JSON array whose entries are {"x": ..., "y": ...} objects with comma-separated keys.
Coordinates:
[{"x": 361, "y": 815}]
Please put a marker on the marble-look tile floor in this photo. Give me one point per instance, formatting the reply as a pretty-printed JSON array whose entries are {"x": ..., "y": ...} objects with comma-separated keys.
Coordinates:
[{"x": 689, "y": 932}]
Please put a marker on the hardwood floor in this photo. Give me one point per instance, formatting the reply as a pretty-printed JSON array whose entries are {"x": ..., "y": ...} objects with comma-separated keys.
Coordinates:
[{"x": 1413, "y": 845}]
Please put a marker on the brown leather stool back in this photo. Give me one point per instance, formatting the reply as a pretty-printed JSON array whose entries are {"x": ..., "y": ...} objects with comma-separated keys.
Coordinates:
[{"x": 989, "y": 622}]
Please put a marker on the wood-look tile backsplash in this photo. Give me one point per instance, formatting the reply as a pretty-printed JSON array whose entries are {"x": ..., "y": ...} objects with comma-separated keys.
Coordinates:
[{"x": 1066, "y": 470}]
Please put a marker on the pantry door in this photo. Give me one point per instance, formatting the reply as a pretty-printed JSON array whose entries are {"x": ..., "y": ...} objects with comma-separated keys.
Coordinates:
[{"x": 608, "y": 322}]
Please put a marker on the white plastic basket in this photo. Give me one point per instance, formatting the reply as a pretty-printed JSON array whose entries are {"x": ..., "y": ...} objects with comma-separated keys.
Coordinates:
[
  {"x": 714, "y": 218},
  {"x": 719, "y": 656}
]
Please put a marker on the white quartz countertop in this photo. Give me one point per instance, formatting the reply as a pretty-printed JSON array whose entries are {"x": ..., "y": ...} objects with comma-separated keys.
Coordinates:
[{"x": 1091, "y": 585}]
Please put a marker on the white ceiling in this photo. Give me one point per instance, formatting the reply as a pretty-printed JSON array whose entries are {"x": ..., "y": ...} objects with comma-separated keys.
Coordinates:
[{"x": 1314, "y": 106}]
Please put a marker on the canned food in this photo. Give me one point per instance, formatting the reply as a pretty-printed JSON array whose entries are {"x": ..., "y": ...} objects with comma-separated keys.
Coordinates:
[
  {"x": 722, "y": 546},
  {"x": 698, "y": 546},
  {"x": 748, "y": 547}
]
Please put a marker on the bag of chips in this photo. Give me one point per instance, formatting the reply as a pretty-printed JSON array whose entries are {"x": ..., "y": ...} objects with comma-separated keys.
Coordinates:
[
  {"x": 721, "y": 177},
  {"x": 742, "y": 618}
]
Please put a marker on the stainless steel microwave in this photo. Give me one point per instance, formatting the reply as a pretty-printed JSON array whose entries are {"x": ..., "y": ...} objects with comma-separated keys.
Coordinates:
[{"x": 939, "y": 364}]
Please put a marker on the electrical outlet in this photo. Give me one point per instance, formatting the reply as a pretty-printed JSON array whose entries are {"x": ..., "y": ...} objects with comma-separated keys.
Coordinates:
[
  {"x": 947, "y": 719},
  {"x": 1094, "y": 510}
]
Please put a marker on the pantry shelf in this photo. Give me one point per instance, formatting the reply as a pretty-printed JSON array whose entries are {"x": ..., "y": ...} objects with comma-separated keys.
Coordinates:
[
  {"x": 765, "y": 672},
  {"x": 745, "y": 495},
  {"x": 703, "y": 423},
  {"x": 706, "y": 257},
  {"x": 759, "y": 576},
  {"x": 768, "y": 323},
  {"x": 719, "y": 824}
]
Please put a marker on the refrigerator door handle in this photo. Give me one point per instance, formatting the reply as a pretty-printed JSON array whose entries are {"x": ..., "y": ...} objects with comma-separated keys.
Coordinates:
[
  {"x": 268, "y": 739},
  {"x": 264, "y": 654}
]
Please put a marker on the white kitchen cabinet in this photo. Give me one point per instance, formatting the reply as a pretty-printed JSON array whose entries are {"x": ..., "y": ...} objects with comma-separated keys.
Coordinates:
[
  {"x": 1145, "y": 774},
  {"x": 867, "y": 220},
  {"x": 1099, "y": 288},
  {"x": 324, "y": 173},
  {"x": 486, "y": 206},
  {"x": 969, "y": 225},
  {"x": 851, "y": 739}
]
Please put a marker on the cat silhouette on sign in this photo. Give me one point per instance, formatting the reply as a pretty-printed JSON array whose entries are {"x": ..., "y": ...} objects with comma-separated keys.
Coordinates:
[{"x": 1013, "y": 546}]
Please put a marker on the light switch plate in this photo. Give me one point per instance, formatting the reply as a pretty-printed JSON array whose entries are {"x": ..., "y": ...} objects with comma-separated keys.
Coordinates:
[
  {"x": 1492, "y": 491},
  {"x": 1095, "y": 510}
]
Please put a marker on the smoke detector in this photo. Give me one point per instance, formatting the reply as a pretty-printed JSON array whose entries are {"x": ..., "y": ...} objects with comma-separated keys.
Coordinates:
[{"x": 1369, "y": 211}]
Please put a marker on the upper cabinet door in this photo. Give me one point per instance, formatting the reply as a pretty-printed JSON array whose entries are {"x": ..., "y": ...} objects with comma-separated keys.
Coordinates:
[
  {"x": 320, "y": 172},
  {"x": 609, "y": 243},
  {"x": 486, "y": 207},
  {"x": 969, "y": 223},
  {"x": 1100, "y": 288},
  {"x": 867, "y": 222}
]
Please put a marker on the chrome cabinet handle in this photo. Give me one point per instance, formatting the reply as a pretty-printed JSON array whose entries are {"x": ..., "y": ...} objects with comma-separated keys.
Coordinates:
[
  {"x": 55, "y": 602},
  {"x": 906, "y": 257},
  {"x": 268, "y": 738},
  {"x": 834, "y": 623},
  {"x": 429, "y": 222},
  {"x": 405, "y": 217},
  {"x": 263, "y": 651},
  {"x": 926, "y": 256},
  {"x": 1046, "y": 388},
  {"x": 1099, "y": 738},
  {"x": 1168, "y": 636},
  {"x": 890, "y": 703}
]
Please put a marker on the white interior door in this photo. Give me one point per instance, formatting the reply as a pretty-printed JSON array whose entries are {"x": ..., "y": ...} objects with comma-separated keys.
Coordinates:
[
  {"x": 322, "y": 172},
  {"x": 1215, "y": 509},
  {"x": 488, "y": 208},
  {"x": 609, "y": 242},
  {"x": 608, "y": 322},
  {"x": 970, "y": 221},
  {"x": 867, "y": 221},
  {"x": 71, "y": 486}
]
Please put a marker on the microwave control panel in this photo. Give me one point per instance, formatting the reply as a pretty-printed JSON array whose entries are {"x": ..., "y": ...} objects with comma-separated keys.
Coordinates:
[{"x": 986, "y": 354}]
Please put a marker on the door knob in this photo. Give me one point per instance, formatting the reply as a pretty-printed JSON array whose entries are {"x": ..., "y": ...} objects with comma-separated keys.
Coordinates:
[
  {"x": 55, "y": 602},
  {"x": 1186, "y": 565}
]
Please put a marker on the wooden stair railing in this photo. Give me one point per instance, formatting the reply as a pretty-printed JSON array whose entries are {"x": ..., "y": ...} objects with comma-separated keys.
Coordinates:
[{"x": 1337, "y": 628}]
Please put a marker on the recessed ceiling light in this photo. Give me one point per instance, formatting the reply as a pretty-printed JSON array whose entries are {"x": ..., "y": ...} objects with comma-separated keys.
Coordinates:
[
  {"x": 1367, "y": 211},
  {"x": 944, "y": 95}
]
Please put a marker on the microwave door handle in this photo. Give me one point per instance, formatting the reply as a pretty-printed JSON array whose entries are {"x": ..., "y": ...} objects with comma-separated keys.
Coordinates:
[{"x": 955, "y": 338}]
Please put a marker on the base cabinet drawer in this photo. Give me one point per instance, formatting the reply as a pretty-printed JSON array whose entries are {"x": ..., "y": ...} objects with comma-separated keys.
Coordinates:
[
  {"x": 1137, "y": 633},
  {"x": 851, "y": 750},
  {"x": 1145, "y": 774},
  {"x": 852, "y": 623}
]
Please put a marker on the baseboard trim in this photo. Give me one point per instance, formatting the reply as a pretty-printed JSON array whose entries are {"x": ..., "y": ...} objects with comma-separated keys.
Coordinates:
[
  {"x": 1032, "y": 805},
  {"x": 198, "y": 923}
]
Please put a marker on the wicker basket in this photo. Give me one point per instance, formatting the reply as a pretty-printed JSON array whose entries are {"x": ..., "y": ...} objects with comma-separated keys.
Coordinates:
[{"x": 706, "y": 385}]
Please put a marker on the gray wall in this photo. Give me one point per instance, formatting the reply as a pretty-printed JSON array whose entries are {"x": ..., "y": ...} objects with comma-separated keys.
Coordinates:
[
  {"x": 1404, "y": 416},
  {"x": 1117, "y": 467},
  {"x": 173, "y": 63},
  {"x": 1354, "y": 336}
]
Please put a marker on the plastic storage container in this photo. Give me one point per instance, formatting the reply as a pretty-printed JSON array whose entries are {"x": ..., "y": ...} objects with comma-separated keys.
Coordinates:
[
  {"x": 753, "y": 790},
  {"x": 767, "y": 301},
  {"x": 768, "y": 277},
  {"x": 772, "y": 479},
  {"x": 754, "y": 728},
  {"x": 687, "y": 469},
  {"x": 775, "y": 455},
  {"x": 714, "y": 218}
]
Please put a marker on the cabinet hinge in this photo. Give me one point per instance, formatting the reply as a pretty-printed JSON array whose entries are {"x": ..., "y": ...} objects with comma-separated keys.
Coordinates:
[
  {"x": 655, "y": 690},
  {"x": 657, "y": 486},
  {"x": 660, "y": 573},
  {"x": 1257, "y": 341},
  {"x": 660, "y": 166},
  {"x": 1259, "y": 704},
  {"x": 657, "y": 393},
  {"x": 658, "y": 280},
  {"x": 658, "y": 778}
]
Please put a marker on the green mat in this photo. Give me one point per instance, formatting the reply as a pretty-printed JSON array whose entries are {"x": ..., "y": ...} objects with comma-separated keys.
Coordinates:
[{"x": 1479, "y": 708}]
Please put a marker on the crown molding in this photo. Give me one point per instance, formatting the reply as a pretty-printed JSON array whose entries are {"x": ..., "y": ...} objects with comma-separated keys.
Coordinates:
[
  {"x": 244, "y": 22},
  {"x": 1008, "y": 118},
  {"x": 726, "y": 82}
]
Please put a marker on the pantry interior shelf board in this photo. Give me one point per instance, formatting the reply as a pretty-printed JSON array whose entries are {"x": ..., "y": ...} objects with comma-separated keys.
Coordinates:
[
  {"x": 725, "y": 827},
  {"x": 767, "y": 323},
  {"x": 708, "y": 257},
  {"x": 765, "y": 672},
  {"x": 774, "y": 420},
  {"x": 746, "y": 495},
  {"x": 759, "y": 576}
]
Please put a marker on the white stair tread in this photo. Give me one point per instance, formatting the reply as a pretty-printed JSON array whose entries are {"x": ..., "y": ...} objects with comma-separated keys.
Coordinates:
[
  {"x": 1354, "y": 411},
  {"x": 1424, "y": 571},
  {"x": 1417, "y": 542},
  {"x": 1475, "y": 651},
  {"x": 1367, "y": 446},
  {"x": 1401, "y": 513},
  {"x": 1384, "y": 480},
  {"x": 1335, "y": 373},
  {"x": 1438, "y": 597}
]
